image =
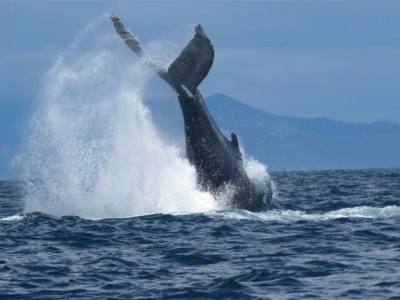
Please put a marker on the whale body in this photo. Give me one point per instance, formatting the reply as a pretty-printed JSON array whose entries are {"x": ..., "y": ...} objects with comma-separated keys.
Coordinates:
[{"x": 216, "y": 158}]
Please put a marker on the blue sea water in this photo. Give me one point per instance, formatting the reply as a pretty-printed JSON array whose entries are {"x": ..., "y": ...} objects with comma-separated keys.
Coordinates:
[{"x": 336, "y": 234}]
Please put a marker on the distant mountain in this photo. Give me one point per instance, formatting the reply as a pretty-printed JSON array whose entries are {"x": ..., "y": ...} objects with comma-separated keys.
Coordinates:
[
  {"x": 283, "y": 143},
  {"x": 288, "y": 143}
]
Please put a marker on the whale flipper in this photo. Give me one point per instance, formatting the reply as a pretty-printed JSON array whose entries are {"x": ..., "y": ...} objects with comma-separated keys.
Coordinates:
[{"x": 194, "y": 62}]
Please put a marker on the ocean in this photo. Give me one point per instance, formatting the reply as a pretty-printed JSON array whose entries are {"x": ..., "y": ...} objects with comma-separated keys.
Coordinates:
[{"x": 334, "y": 234}]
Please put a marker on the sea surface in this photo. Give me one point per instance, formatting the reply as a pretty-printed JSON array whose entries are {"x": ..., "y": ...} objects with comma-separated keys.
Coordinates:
[{"x": 336, "y": 234}]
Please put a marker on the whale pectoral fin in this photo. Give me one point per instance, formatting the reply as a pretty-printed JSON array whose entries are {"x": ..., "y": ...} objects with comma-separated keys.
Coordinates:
[{"x": 194, "y": 62}]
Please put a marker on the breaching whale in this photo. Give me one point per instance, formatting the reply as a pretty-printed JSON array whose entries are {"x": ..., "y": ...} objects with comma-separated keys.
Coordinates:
[{"x": 217, "y": 159}]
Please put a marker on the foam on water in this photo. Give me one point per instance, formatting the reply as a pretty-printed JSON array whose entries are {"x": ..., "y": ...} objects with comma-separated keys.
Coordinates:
[
  {"x": 368, "y": 212},
  {"x": 92, "y": 149},
  {"x": 12, "y": 218}
]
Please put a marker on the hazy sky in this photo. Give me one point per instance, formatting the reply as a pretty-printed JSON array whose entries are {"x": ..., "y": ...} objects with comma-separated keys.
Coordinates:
[{"x": 332, "y": 59}]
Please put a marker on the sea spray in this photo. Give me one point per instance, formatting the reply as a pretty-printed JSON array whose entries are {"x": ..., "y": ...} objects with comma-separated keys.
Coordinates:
[
  {"x": 264, "y": 186},
  {"x": 92, "y": 149}
]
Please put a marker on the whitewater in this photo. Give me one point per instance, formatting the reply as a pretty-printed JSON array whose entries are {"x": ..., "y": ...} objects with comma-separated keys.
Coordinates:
[{"x": 92, "y": 149}]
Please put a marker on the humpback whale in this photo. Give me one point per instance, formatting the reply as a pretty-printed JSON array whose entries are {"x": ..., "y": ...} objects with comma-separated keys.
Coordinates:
[{"x": 216, "y": 158}]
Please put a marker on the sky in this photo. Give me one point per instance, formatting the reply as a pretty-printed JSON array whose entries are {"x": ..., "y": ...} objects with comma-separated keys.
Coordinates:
[{"x": 333, "y": 59}]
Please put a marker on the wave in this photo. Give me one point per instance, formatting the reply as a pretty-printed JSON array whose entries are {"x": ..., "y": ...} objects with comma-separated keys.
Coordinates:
[{"x": 363, "y": 212}]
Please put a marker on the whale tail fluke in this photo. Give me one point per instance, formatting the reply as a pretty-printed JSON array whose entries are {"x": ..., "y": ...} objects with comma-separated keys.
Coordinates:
[
  {"x": 194, "y": 62},
  {"x": 189, "y": 68}
]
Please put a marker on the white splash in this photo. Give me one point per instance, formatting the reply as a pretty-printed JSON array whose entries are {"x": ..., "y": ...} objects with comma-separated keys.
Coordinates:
[
  {"x": 92, "y": 150},
  {"x": 256, "y": 171},
  {"x": 259, "y": 176}
]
